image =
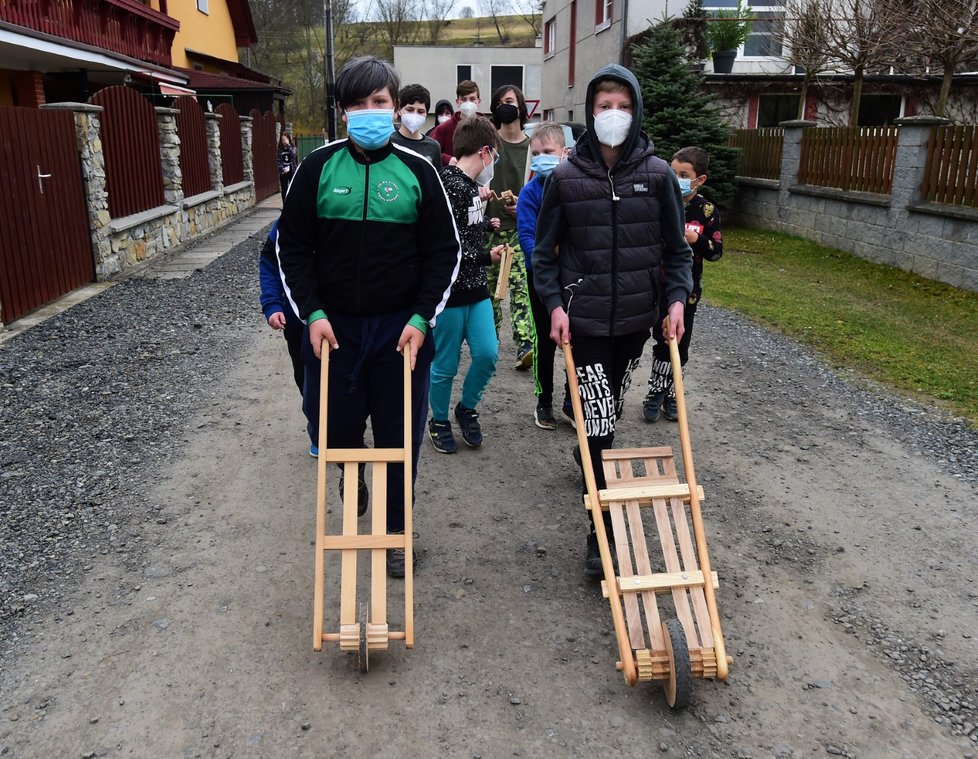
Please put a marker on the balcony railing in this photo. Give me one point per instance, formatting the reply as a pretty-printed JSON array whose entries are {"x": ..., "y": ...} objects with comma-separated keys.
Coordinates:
[{"x": 126, "y": 27}]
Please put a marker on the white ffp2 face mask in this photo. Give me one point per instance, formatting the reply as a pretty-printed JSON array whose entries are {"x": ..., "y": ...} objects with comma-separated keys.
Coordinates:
[
  {"x": 611, "y": 127},
  {"x": 468, "y": 108},
  {"x": 412, "y": 121}
]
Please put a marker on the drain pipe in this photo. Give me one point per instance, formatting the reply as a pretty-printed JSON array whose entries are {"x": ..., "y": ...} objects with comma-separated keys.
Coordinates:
[{"x": 624, "y": 32}]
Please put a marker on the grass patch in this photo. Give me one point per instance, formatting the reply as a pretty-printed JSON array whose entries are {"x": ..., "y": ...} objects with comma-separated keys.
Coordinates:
[{"x": 912, "y": 334}]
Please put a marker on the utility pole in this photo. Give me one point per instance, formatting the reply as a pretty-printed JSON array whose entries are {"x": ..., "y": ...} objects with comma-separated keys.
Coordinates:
[{"x": 330, "y": 77}]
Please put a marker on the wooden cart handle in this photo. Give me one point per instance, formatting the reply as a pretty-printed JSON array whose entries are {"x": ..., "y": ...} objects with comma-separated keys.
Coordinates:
[{"x": 694, "y": 508}]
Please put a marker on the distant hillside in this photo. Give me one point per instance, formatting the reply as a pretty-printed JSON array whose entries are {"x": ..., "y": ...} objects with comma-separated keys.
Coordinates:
[{"x": 296, "y": 56}]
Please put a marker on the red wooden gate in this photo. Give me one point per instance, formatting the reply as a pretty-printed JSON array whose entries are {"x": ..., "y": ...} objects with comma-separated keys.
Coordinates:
[
  {"x": 45, "y": 250},
  {"x": 194, "y": 165},
  {"x": 263, "y": 154}
]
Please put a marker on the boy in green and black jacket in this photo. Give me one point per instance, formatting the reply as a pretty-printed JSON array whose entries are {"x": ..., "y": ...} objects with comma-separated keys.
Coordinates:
[{"x": 368, "y": 249}]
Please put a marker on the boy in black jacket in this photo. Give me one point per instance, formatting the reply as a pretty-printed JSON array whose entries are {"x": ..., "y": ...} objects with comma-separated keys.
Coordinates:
[
  {"x": 602, "y": 290},
  {"x": 704, "y": 236},
  {"x": 368, "y": 249}
]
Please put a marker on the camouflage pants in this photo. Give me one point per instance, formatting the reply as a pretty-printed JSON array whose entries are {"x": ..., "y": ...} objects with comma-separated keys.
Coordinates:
[{"x": 519, "y": 297}]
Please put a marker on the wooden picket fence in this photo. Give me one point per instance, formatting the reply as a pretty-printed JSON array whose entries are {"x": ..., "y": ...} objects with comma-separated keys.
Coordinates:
[
  {"x": 131, "y": 141},
  {"x": 194, "y": 164},
  {"x": 858, "y": 159},
  {"x": 760, "y": 152},
  {"x": 951, "y": 173},
  {"x": 232, "y": 158},
  {"x": 263, "y": 160}
]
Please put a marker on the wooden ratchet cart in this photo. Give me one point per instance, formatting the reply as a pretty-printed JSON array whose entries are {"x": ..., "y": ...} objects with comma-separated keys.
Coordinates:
[
  {"x": 653, "y": 646},
  {"x": 363, "y": 627}
]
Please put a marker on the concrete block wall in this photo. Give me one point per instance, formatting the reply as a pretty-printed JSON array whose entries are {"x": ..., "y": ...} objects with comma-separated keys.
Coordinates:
[{"x": 901, "y": 229}]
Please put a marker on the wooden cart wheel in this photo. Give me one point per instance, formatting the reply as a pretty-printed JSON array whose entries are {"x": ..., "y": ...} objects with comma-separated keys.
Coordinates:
[
  {"x": 363, "y": 658},
  {"x": 679, "y": 686}
]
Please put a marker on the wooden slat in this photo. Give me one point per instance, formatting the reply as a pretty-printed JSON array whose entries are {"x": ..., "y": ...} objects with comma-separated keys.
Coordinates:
[
  {"x": 642, "y": 563},
  {"x": 646, "y": 492},
  {"x": 616, "y": 454},
  {"x": 362, "y": 542},
  {"x": 633, "y": 617},
  {"x": 378, "y": 557},
  {"x": 690, "y": 564},
  {"x": 364, "y": 455},
  {"x": 668, "y": 541},
  {"x": 664, "y": 582},
  {"x": 348, "y": 562}
]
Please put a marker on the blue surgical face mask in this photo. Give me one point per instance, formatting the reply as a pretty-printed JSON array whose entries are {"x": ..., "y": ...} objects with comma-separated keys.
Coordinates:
[
  {"x": 685, "y": 185},
  {"x": 542, "y": 165},
  {"x": 370, "y": 128}
]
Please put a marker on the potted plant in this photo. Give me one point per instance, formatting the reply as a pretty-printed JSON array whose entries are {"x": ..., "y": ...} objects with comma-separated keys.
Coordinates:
[{"x": 726, "y": 32}]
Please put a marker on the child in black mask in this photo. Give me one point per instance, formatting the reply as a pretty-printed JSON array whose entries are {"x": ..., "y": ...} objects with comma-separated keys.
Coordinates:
[{"x": 509, "y": 115}]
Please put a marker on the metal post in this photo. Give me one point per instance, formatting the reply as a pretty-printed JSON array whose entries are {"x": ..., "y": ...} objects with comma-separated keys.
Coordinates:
[{"x": 330, "y": 77}]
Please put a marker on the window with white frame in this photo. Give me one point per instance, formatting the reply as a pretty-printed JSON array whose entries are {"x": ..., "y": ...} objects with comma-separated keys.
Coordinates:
[
  {"x": 766, "y": 38},
  {"x": 550, "y": 37},
  {"x": 602, "y": 14},
  {"x": 766, "y": 34}
]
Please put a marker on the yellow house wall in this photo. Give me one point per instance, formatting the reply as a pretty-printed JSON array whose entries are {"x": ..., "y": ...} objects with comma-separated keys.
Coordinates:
[
  {"x": 211, "y": 33},
  {"x": 6, "y": 92}
]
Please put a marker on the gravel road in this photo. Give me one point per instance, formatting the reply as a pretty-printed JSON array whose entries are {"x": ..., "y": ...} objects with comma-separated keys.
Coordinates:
[{"x": 156, "y": 571}]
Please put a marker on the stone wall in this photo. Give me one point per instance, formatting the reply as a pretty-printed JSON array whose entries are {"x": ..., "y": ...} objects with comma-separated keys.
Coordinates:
[
  {"x": 933, "y": 240},
  {"x": 118, "y": 244}
]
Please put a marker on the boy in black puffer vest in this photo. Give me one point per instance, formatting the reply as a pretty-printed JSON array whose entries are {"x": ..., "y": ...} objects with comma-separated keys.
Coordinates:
[{"x": 602, "y": 291}]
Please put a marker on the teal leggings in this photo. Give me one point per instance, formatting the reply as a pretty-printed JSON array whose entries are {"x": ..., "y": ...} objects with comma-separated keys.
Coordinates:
[{"x": 475, "y": 325}]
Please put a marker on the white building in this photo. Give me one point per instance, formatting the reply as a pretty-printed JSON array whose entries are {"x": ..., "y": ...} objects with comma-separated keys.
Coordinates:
[
  {"x": 440, "y": 69},
  {"x": 581, "y": 36}
]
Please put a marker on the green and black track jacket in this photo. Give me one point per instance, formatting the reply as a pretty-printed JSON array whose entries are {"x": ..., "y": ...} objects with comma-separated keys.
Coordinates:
[{"x": 367, "y": 233}]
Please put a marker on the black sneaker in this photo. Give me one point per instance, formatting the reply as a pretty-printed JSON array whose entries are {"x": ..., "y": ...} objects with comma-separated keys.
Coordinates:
[
  {"x": 395, "y": 560},
  {"x": 652, "y": 406},
  {"x": 363, "y": 495},
  {"x": 567, "y": 411},
  {"x": 524, "y": 357},
  {"x": 543, "y": 418},
  {"x": 669, "y": 408},
  {"x": 442, "y": 438},
  {"x": 468, "y": 424},
  {"x": 592, "y": 564}
]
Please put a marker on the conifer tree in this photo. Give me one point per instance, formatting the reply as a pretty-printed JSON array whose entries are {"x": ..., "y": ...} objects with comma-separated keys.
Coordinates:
[{"x": 678, "y": 112}]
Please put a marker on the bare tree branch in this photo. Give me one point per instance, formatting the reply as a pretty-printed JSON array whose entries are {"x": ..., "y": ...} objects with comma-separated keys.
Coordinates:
[
  {"x": 806, "y": 41},
  {"x": 864, "y": 36},
  {"x": 436, "y": 13},
  {"x": 531, "y": 11},
  {"x": 494, "y": 9},
  {"x": 941, "y": 34}
]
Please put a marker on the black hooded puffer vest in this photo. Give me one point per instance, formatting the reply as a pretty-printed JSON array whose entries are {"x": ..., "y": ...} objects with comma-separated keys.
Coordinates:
[{"x": 611, "y": 249}]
